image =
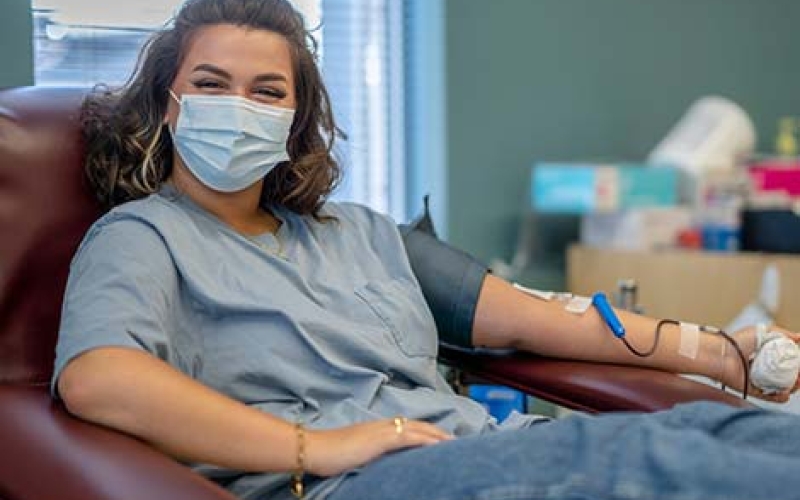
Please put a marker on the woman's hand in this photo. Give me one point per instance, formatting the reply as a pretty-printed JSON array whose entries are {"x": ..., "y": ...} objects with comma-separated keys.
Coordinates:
[
  {"x": 332, "y": 452},
  {"x": 733, "y": 375}
]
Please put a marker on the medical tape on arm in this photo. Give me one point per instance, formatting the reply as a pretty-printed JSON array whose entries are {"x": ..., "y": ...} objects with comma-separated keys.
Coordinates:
[
  {"x": 690, "y": 340},
  {"x": 575, "y": 304},
  {"x": 578, "y": 304}
]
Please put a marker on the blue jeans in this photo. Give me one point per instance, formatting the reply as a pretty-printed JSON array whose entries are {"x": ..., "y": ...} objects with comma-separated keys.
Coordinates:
[{"x": 702, "y": 451}]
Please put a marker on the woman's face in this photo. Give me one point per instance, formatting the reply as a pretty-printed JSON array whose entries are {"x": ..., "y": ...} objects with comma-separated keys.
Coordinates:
[{"x": 224, "y": 59}]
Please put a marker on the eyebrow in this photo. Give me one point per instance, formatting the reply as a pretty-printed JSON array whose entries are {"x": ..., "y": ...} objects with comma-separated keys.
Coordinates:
[{"x": 210, "y": 68}]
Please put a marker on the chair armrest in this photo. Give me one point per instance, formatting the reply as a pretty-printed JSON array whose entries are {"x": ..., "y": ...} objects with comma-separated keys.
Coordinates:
[
  {"x": 584, "y": 386},
  {"x": 46, "y": 453}
]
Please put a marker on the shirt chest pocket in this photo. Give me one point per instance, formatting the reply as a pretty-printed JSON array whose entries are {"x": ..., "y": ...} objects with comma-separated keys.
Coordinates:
[{"x": 402, "y": 311}]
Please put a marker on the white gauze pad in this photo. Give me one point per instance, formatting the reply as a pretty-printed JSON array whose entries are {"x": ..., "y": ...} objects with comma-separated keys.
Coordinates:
[{"x": 776, "y": 363}]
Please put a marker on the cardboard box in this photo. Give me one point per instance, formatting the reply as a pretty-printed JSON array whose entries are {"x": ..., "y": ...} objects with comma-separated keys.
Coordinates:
[
  {"x": 702, "y": 287},
  {"x": 587, "y": 188},
  {"x": 782, "y": 176},
  {"x": 636, "y": 229}
]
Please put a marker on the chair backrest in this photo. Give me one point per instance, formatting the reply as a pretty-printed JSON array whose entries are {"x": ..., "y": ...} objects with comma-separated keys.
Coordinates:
[{"x": 45, "y": 208}]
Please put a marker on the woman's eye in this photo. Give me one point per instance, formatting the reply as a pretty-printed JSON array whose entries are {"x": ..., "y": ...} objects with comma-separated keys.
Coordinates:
[
  {"x": 270, "y": 93},
  {"x": 208, "y": 84}
]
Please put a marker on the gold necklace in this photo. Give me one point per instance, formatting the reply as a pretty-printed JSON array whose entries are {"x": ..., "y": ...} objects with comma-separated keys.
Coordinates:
[
  {"x": 275, "y": 226},
  {"x": 269, "y": 248}
]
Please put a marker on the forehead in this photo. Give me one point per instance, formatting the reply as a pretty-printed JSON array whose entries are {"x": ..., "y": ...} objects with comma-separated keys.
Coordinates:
[{"x": 238, "y": 50}]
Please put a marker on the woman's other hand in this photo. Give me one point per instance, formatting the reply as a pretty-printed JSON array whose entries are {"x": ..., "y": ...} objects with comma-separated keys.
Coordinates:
[{"x": 331, "y": 452}]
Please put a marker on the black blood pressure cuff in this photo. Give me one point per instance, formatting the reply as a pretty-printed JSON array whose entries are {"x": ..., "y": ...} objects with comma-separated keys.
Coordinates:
[{"x": 450, "y": 279}]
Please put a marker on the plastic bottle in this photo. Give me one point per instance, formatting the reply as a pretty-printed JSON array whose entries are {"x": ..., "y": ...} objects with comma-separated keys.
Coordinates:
[
  {"x": 719, "y": 213},
  {"x": 786, "y": 140},
  {"x": 626, "y": 296},
  {"x": 721, "y": 228}
]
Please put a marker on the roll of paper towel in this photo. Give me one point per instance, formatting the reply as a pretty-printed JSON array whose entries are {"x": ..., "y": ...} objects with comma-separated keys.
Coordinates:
[{"x": 714, "y": 134}]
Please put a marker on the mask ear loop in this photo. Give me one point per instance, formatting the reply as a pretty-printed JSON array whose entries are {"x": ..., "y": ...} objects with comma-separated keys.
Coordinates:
[
  {"x": 168, "y": 124},
  {"x": 166, "y": 118}
]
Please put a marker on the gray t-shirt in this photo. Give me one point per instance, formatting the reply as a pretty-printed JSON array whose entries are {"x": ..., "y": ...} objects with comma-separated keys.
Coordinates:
[{"x": 322, "y": 322}]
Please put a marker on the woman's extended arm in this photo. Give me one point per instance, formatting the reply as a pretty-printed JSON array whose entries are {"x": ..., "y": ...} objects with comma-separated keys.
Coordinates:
[
  {"x": 136, "y": 393},
  {"x": 507, "y": 317}
]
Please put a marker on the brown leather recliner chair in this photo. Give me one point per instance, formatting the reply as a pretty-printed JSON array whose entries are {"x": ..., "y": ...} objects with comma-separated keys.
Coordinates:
[{"x": 45, "y": 207}]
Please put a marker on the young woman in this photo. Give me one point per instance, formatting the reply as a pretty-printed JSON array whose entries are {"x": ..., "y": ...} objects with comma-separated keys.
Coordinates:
[{"x": 225, "y": 312}]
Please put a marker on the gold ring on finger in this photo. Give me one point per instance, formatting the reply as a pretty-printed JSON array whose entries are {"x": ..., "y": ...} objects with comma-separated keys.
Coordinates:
[{"x": 399, "y": 424}]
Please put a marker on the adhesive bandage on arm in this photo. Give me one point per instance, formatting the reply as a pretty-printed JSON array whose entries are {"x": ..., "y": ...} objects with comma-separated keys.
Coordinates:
[{"x": 689, "y": 340}]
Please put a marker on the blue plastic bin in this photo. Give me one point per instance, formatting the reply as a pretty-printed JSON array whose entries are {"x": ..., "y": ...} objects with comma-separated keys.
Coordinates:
[{"x": 500, "y": 401}]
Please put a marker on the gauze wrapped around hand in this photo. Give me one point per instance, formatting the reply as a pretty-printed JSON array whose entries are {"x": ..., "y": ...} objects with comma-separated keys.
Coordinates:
[{"x": 776, "y": 363}]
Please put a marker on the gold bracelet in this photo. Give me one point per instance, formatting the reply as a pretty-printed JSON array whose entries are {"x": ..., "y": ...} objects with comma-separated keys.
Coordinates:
[{"x": 297, "y": 475}]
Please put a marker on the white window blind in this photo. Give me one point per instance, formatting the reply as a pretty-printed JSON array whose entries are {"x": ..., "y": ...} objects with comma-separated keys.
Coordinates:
[
  {"x": 362, "y": 64},
  {"x": 84, "y": 42}
]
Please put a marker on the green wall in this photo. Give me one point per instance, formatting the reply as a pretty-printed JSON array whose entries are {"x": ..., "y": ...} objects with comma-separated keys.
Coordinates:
[
  {"x": 530, "y": 80},
  {"x": 16, "y": 47}
]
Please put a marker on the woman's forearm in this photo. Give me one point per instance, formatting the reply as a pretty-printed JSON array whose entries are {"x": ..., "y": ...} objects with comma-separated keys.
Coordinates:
[
  {"x": 134, "y": 392},
  {"x": 507, "y": 317},
  {"x": 131, "y": 391}
]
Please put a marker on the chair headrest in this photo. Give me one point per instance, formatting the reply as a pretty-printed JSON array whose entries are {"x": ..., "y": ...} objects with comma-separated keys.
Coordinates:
[{"x": 45, "y": 208}]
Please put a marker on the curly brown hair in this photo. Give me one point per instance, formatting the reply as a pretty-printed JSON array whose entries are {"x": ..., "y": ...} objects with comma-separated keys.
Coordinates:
[{"x": 129, "y": 154}]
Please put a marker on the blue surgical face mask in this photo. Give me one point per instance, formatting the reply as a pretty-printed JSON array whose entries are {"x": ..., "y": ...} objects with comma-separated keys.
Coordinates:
[{"x": 229, "y": 142}]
